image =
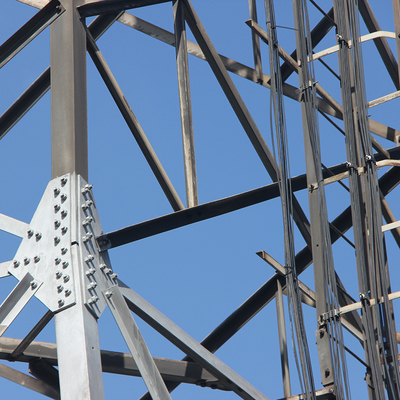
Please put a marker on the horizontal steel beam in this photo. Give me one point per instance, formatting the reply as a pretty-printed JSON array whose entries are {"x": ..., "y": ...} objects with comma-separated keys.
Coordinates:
[
  {"x": 115, "y": 363},
  {"x": 110, "y": 6},
  {"x": 209, "y": 210}
]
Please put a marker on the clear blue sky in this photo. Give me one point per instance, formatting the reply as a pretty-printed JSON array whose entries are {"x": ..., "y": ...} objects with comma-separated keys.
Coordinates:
[{"x": 199, "y": 274}]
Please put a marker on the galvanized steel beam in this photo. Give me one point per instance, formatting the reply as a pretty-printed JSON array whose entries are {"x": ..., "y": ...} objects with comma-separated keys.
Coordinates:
[{"x": 185, "y": 104}]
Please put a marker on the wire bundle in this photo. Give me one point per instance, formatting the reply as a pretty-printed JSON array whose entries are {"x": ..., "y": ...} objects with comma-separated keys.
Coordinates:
[
  {"x": 300, "y": 346},
  {"x": 373, "y": 278},
  {"x": 322, "y": 249}
]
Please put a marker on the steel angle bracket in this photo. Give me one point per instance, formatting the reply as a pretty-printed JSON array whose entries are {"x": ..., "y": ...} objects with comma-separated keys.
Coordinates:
[
  {"x": 44, "y": 252},
  {"x": 17, "y": 299},
  {"x": 140, "y": 353},
  {"x": 97, "y": 271}
]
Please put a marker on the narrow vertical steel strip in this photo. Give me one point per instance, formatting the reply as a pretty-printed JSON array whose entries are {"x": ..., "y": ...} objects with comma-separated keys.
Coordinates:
[
  {"x": 188, "y": 345},
  {"x": 136, "y": 344},
  {"x": 256, "y": 42},
  {"x": 282, "y": 341},
  {"x": 133, "y": 124},
  {"x": 396, "y": 15},
  {"x": 185, "y": 104}
]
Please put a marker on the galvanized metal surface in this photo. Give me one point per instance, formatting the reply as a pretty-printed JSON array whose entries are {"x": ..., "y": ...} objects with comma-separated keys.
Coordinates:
[{"x": 63, "y": 257}]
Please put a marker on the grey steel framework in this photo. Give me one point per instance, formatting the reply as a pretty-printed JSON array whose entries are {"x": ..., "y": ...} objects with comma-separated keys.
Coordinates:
[{"x": 63, "y": 258}]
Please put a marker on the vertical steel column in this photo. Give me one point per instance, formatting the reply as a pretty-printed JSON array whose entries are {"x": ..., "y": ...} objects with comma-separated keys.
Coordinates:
[
  {"x": 68, "y": 93},
  {"x": 396, "y": 14},
  {"x": 282, "y": 341},
  {"x": 76, "y": 329},
  {"x": 185, "y": 104},
  {"x": 313, "y": 175},
  {"x": 256, "y": 42}
]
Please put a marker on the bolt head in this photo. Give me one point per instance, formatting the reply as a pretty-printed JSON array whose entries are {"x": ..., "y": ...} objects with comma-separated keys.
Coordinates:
[
  {"x": 38, "y": 236},
  {"x": 60, "y": 288},
  {"x": 27, "y": 260},
  {"x": 58, "y": 275},
  {"x": 57, "y": 208},
  {"x": 33, "y": 285},
  {"x": 65, "y": 264},
  {"x": 30, "y": 233},
  {"x": 56, "y": 240},
  {"x": 56, "y": 192},
  {"x": 64, "y": 181},
  {"x": 16, "y": 264},
  {"x": 64, "y": 250},
  {"x": 66, "y": 278},
  {"x": 64, "y": 230},
  {"x": 36, "y": 259},
  {"x": 67, "y": 292},
  {"x": 60, "y": 303},
  {"x": 64, "y": 213}
]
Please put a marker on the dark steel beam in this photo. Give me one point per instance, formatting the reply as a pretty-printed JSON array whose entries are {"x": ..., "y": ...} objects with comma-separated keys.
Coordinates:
[
  {"x": 209, "y": 210},
  {"x": 28, "y": 382},
  {"x": 381, "y": 43},
  {"x": 40, "y": 87},
  {"x": 29, "y": 31},
  {"x": 111, "y": 6},
  {"x": 115, "y": 363},
  {"x": 30, "y": 337}
]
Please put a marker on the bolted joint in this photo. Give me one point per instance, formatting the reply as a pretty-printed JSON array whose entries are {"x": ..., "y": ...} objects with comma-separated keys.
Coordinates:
[
  {"x": 87, "y": 237},
  {"x": 87, "y": 189},
  {"x": 34, "y": 285},
  {"x": 92, "y": 285},
  {"x": 87, "y": 221},
  {"x": 87, "y": 204},
  {"x": 93, "y": 300},
  {"x": 89, "y": 258},
  {"x": 90, "y": 272}
]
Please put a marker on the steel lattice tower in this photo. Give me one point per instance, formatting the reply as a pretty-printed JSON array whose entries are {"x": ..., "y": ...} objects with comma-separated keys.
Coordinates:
[{"x": 333, "y": 65}]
